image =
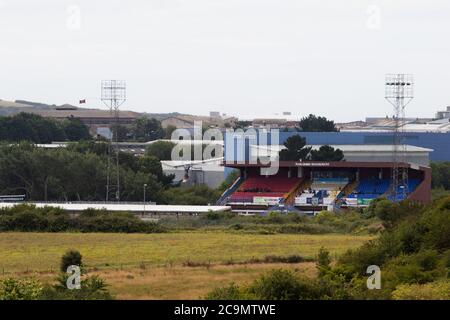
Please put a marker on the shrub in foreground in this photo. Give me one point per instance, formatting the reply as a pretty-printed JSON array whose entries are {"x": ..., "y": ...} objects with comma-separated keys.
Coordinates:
[{"x": 20, "y": 289}]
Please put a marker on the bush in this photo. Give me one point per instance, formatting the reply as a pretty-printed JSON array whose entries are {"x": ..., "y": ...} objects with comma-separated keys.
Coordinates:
[
  {"x": 194, "y": 195},
  {"x": 285, "y": 259},
  {"x": 440, "y": 175},
  {"x": 323, "y": 262},
  {"x": 71, "y": 258},
  {"x": 231, "y": 292},
  {"x": 413, "y": 253},
  {"x": 281, "y": 285},
  {"x": 92, "y": 288},
  {"x": 438, "y": 290},
  {"x": 285, "y": 285},
  {"x": 20, "y": 289},
  {"x": 27, "y": 218}
]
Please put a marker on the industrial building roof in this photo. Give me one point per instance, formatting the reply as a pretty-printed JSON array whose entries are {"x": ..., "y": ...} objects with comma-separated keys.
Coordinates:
[
  {"x": 189, "y": 142},
  {"x": 213, "y": 164},
  {"x": 356, "y": 147}
]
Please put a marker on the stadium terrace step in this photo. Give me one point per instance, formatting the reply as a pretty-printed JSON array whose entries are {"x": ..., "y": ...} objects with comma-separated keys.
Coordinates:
[{"x": 256, "y": 188}]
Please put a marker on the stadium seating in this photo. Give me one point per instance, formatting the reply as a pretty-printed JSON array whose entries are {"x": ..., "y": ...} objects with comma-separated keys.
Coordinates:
[
  {"x": 272, "y": 184},
  {"x": 310, "y": 198},
  {"x": 370, "y": 188},
  {"x": 261, "y": 186},
  {"x": 412, "y": 185},
  {"x": 324, "y": 189}
]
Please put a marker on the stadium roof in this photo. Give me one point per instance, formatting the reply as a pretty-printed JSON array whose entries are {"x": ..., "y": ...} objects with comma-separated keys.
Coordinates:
[{"x": 325, "y": 164}]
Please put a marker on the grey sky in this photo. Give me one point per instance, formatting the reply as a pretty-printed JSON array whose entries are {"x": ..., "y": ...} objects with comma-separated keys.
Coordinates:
[{"x": 241, "y": 57}]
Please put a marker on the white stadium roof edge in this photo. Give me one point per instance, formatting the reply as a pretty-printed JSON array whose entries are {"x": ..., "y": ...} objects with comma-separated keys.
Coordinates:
[{"x": 121, "y": 207}]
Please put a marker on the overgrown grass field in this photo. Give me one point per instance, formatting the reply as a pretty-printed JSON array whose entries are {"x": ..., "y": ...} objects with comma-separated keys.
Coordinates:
[{"x": 41, "y": 252}]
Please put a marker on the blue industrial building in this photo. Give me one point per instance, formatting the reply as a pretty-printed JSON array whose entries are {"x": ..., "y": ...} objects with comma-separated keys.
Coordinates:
[{"x": 439, "y": 142}]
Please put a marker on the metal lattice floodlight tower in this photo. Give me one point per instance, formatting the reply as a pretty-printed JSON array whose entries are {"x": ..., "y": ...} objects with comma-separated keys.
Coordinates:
[
  {"x": 113, "y": 96},
  {"x": 399, "y": 91}
]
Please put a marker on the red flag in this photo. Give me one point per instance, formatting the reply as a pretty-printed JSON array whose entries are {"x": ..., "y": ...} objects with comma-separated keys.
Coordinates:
[{"x": 82, "y": 101}]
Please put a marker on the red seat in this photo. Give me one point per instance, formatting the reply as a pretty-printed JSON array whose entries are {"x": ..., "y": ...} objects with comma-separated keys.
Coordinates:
[
  {"x": 260, "y": 186},
  {"x": 272, "y": 184}
]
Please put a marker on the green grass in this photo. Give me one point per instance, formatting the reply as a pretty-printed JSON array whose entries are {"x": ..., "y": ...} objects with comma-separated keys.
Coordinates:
[{"x": 42, "y": 251}]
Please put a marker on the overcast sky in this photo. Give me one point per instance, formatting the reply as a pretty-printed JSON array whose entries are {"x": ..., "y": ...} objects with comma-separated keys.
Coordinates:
[{"x": 240, "y": 57}]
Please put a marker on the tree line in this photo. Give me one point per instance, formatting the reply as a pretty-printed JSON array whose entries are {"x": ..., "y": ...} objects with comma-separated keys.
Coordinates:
[
  {"x": 310, "y": 123},
  {"x": 37, "y": 129},
  {"x": 142, "y": 130},
  {"x": 34, "y": 128},
  {"x": 296, "y": 149},
  {"x": 78, "y": 173},
  {"x": 28, "y": 218}
]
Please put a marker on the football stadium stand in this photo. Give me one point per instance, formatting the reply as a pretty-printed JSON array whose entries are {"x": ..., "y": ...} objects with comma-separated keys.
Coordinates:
[
  {"x": 264, "y": 189},
  {"x": 358, "y": 189},
  {"x": 363, "y": 175}
]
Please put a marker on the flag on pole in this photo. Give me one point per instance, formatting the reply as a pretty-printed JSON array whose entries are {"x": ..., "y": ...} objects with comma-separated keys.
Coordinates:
[{"x": 82, "y": 101}]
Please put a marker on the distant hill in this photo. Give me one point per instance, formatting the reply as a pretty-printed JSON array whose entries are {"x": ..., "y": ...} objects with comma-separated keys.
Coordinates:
[
  {"x": 37, "y": 105},
  {"x": 162, "y": 116},
  {"x": 51, "y": 110},
  {"x": 11, "y": 107}
]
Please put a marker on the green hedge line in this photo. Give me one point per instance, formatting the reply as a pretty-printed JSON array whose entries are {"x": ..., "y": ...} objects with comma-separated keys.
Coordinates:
[{"x": 28, "y": 218}]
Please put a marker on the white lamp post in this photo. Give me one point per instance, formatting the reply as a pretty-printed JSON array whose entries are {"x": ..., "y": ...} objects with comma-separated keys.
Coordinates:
[{"x": 145, "y": 186}]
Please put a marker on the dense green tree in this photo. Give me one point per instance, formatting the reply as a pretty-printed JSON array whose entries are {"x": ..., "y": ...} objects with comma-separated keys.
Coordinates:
[
  {"x": 133, "y": 186},
  {"x": 313, "y": 123},
  {"x": 96, "y": 147},
  {"x": 440, "y": 175},
  {"x": 123, "y": 133},
  {"x": 34, "y": 128},
  {"x": 152, "y": 165},
  {"x": 168, "y": 131},
  {"x": 194, "y": 195},
  {"x": 30, "y": 127},
  {"x": 160, "y": 149},
  {"x": 327, "y": 153},
  {"x": 75, "y": 130},
  {"x": 71, "y": 258},
  {"x": 147, "y": 129},
  {"x": 323, "y": 262},
  {"x": 242, "y": 125},
  {"x": 295, "y": 149},
  {"x": 75, "y": 173}
]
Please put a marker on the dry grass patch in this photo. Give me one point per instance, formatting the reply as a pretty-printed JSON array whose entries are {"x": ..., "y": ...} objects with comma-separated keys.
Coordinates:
[
  {"x": 187, "y": 282},
  {"x": 42, "y": 251}
]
